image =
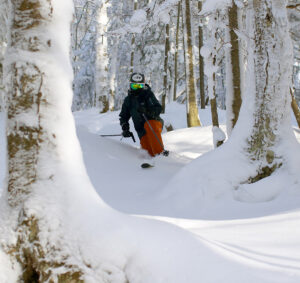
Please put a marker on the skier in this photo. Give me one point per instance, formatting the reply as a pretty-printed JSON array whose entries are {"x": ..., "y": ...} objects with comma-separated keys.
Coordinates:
[{"x": 142, "y": 106}]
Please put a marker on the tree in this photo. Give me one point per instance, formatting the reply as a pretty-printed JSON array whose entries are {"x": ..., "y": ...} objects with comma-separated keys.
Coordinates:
[
  {"x": 38, "y": 120},
  {"x": 212, "y": 53},
  {"x": 135, "y": 6},
  {"x": 192, "y": 107},
  {"x": 201, "y": 61},
  {"x": 175, "y": 79},
  {"x": 83, "y": 53},
  {"x": 102, "y": 82},
  {"x": 295, "y": 108},
  {"x": 165, "y": 74},
  {"x": 270, "y": 66},
  {"x": 3, "y": 42},
  {"x": 233, "y": 94}
]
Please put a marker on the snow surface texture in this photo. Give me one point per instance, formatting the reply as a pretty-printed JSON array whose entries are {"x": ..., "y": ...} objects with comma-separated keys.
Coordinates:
[{"x": 244, "y": 241}]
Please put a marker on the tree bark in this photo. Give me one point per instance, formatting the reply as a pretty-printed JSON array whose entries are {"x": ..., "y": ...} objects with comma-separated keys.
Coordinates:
[
  {"x": 166, "y": 58},
  {"x": 201, "y": 61},
  {"x": 102, "y": 84},
  {"x": 295, "y": 108},
  {"x": 192, "y": 107},
  {"x": 271, "y": 55},
  {"x": 234, "y": 104},
  {"x": 176, "y": 52},
  {"x": 135, "y": 6},
  {"x": 31, "y": 104}
]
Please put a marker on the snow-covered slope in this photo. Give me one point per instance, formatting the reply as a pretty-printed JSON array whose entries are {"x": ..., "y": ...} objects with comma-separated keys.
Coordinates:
[{"x": 228, "y": 241}]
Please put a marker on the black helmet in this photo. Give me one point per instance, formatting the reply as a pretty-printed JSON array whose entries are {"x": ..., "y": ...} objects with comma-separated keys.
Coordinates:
[{"x": 137, "y": 78}]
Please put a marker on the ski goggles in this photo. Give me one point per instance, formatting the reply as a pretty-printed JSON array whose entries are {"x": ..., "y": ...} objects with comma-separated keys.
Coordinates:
[{"x": 136, "y": 86}]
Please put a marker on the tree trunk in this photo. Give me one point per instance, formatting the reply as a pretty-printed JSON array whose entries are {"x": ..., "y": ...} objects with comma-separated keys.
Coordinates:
[
  {"x": 233, "y": 99},
  {"x": 33, "y": 102},
  {"x": 167, "y": 48},
  {"x": 214, "y": 112},
  {"x": 192, "y": 107},
  {"x": 201, "y": 61},
  {"x": 272, "y": 53},
  {"x": 295, "y": 108},
  {"x": 135, "y": 6},
  {"x": 176, "y": 53},
  {"x": 102, "y": 61}
]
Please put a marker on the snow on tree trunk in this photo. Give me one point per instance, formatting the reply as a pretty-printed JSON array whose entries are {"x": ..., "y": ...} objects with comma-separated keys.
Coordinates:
[
  {"x": 176, "y": 52},
  {"x": 135, "y": 6},
  {"x": 192, "y": 107},
  {"x": 41, "y": 143},
  {"x": 233, "y": 80},
  {"x": 211, "y": 54},
  {"x": 102, "y": 81},
  {"x": 270, "y": 61},
  {"x": 165, "y": 75},
  {"x": 295, "y": 108},
  {"x": 3, "y": 42},
  {"x": 201, "y": 60}
]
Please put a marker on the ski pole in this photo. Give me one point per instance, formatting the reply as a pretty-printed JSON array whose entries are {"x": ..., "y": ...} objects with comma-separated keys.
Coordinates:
[
  {"x": 119, "y": 135},
  {"x": 165, "y": 152}
]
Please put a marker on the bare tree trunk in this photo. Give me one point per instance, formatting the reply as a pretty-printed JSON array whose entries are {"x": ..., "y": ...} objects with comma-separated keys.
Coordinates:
[
  {"x": 233, "y": 100},
  {"x": 176, "y": 52},
  {"x": 192, "y": 107},
  {"x": 102, "y": 84},
  {"x": 167, "y": 48},
  {"x": 135, "y": 6},
  {"x": 295, "y": 108},
  {"x": 214, "y": 112},
  {"x": 271, "y": 67},
  {"x": 32, "y": 141},
  {"x": 201, "y": 61}
]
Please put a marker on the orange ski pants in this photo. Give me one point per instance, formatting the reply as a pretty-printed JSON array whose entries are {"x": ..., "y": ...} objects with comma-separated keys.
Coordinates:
[{"x": 149, "y": 141}]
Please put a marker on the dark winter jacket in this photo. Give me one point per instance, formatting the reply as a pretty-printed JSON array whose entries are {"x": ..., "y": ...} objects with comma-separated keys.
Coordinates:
[{"x": 132, "y": 105}]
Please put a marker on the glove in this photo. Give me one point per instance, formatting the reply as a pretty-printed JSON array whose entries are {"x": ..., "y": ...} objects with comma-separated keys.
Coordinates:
[
  {"x": 150, "y": 114},
  {"x": 125, "y": 127},
  {"x": 126, "y": 134}
]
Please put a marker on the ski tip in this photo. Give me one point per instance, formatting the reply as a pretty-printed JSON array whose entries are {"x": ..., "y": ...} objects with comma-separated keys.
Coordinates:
[{"x": 146, "y": 165}]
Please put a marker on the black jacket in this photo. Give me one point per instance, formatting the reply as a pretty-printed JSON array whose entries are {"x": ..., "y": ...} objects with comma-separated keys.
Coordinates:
[{"x": 132, "y": 104}]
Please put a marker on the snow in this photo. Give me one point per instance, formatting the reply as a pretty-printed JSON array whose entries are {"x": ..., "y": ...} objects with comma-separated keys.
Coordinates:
[
  {"x": 213, "y": 5},
  {"x": 159, "y": 229},
  {"x": 138, "y": 18}
]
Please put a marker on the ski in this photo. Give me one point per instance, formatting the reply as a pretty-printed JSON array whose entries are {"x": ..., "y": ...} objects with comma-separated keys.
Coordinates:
[{"x": 147, "y": 165}]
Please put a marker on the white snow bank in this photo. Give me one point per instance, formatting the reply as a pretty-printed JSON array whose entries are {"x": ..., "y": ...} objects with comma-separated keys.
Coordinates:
[{"x": 8, "y": 271}]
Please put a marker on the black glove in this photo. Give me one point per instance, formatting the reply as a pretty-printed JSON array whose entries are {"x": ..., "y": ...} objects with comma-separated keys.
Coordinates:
[
  {"x": 126, "y": 134},
  {"x": 150, "y": 114},
  {"x": 125, "y": 127}
]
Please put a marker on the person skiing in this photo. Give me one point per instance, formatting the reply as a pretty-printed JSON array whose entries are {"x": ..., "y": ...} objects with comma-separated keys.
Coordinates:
[{"x": 142, "y": 106}]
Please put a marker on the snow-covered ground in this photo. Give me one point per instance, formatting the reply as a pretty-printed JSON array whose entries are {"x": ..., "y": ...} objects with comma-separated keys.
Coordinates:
[{"x": 226, "y": 240}]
